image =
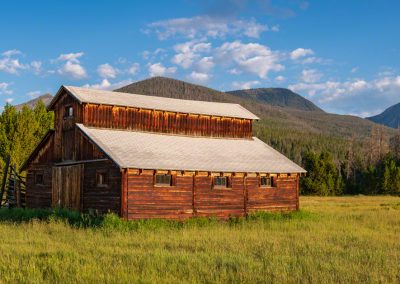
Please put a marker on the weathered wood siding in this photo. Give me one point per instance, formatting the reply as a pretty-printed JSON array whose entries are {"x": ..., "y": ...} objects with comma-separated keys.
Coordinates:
[
  {"x": 165, "y": 122},
  {"x": 146, "y": 200},
  {"x": 104, "y": 198},
  {"x": 222, "y": 203},
  {"x": 38, "y": 195},
  {"x": 195, "y": 196},
  {"x": 283, "y": 197},
  {"x": 64, "y": 142}
]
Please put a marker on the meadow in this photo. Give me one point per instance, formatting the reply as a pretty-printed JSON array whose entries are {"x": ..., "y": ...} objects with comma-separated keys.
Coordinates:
[{"x": 331, "y": 240}]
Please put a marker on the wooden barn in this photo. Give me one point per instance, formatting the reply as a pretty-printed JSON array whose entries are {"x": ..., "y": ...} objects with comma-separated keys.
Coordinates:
[{"x": 154, "y": 157}]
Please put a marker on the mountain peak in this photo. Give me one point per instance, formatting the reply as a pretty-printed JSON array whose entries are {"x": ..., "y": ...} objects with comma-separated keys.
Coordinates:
[
  {"x": 389, "y": 117},
  {"x": 278, "y": 97}
]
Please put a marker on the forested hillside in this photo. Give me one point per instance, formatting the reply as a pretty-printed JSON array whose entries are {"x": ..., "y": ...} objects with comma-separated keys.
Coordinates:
[
  {"x": 277, "y": 97},
  {"x": 342, "y": 154}
]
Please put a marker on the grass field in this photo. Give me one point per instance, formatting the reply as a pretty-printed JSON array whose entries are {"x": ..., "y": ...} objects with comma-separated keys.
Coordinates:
[{"x": 332, "y": 240}]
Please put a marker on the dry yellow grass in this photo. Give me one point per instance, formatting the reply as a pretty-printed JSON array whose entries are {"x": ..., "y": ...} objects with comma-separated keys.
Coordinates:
[{"x": 333, "y": 240}]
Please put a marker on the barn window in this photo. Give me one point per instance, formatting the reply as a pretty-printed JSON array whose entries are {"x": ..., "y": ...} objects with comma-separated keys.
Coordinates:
[
  {"x": 39, "y": 179},
  {"x": 69, "y": 111},
  {"x": 101, "y": 178},
  {"x": 163, "y": 179},
  {"x": 221, "y": 182},
  {"x": 266, "y": 181}
]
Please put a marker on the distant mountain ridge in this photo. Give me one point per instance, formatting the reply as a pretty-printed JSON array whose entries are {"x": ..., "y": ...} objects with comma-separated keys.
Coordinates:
[
  {"x": 389, "y": 117},
  {"x": 46, "y": 99},
  {"x": 278, "y": 97}
]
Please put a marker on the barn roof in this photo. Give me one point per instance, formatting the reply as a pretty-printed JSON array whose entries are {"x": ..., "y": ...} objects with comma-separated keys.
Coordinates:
[
  {"x": 129, "y": 149},
  {"x": 85, "y": 95}
]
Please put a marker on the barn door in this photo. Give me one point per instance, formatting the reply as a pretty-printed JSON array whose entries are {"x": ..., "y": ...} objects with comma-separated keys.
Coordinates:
[{"x": 67, "y": 186}]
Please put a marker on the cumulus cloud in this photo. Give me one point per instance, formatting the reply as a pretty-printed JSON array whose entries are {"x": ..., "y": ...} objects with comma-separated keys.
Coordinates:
[
  {"x": 157, "y": 69},
  {"x": 36, "y": 66},
  {"x": 73, "y": 57},
  {"x": 5, "y": 89},
  {"x": 310, "y": 75},
  {"x": 356, "y": 96},
  {"x": 245, "y": 85},
  {"x": 199, "y": 77},
  {"x": 280, "y": 79},
  {"x": 205, "y": 64},
  {"x": 106, "y": 71},
  {"x": 72, "y": 66},
  {"x": 9, "y": 100},
  {"x": 11, "y": 52},
  {"x": 188, "y": 52},
  {"x": 134, "y": 68},
  {"x": 10, "y": 64},
  {"x": 300, "y": 52},
  {"x": 207, "y": 26},
  {"x": 251, "y": 57}
]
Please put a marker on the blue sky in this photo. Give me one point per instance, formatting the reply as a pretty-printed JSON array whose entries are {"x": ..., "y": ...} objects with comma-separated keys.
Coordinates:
[{"x": 342, "y": 55}]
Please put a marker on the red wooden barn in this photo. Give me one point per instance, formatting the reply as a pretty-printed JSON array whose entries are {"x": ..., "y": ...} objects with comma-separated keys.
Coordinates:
[{"x": 154, "y": 157}]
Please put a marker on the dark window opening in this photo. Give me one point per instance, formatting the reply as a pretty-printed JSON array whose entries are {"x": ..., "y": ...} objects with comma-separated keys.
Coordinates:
[
  {"x": 69, "y": 111},
  {"x": 221, "y": 182},
  {"x": 39, "y": 179},
  {"x": 163, "y": 179},
  {"x": 266, "y": 181},
  {"x": 101, "y": 178}
]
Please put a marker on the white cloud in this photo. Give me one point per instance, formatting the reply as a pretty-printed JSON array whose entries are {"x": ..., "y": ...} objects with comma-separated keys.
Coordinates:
[
  {"x": 107, "y": 85},
  {"x": 205, "y": 64},
  {"x": 310, "y": 75},
  {"x": 354, "y": 70},
  {"x": 245, "y": 85},
  {"x": 157, "y": 69},
  {"x": 188, "y": 52},
  {"x": 9, "y": 100},
  {"x": 72, "y": 66},
  {"x": 73, "y": 57},
  {"x": 33, "y": 94},
  {"x": 36, "y": 66},
  {"x": 5, "y": 89},
  {"x": 280, "y": 79},
  {"x": 135, "y": 67},
  {"x": 206, "y": 26},
  {"x": 11, "y": 52},
  {"x": 356, "y": 96},
  {"x": 199, "y": 77},
  {"x": 11, "y": 65},
  {"x": 75, "y": 70},
  {"x": 106, "y": 71},
  {"x": 300, "y": 52},
  {"x": 252, "y": 57}
]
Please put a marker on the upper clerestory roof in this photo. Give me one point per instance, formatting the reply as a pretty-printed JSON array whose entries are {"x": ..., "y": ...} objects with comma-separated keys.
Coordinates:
[{"x": 85, "y": 95}]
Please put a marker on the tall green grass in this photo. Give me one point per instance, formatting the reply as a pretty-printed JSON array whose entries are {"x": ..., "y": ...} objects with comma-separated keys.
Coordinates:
[{"x": 332, "y": 240}]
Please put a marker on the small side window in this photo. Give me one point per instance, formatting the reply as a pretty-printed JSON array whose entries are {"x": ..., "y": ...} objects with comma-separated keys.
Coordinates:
[
  {"x": 69, "y": 111},
  {"x": 101, "y": 178},
  {"x": 39, "y": 178},
  {"x": 266, "y": 181},
  {"x": 163, "y": 179},
  {"x": 221, "y": 182}
]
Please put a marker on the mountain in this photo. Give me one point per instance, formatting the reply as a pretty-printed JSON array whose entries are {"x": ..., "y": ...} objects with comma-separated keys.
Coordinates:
[
  {"x": 390, "y": 117},
  {"x": 172, "y": 88},
  {"x": 46, "y": 99},
  {"x": 278, "y": 97}
]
